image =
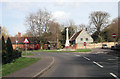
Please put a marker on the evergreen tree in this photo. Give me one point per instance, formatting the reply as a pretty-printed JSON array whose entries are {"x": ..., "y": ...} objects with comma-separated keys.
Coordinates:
[
  {"x": 9, "y": 50},
  {"x": 4, "y": 53}
]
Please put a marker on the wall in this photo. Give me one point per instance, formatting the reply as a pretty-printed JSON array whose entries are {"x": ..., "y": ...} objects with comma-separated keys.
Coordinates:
[
  {"x": 23, "y": 46},
  {"x": 84, "y": 35},
  {"x": 93, "y": 45}
]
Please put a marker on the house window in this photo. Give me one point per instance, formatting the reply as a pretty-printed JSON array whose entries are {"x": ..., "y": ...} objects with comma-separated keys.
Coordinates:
[
  {"x": 81, "y": 39},
  {"x": 86, "y": 39}
]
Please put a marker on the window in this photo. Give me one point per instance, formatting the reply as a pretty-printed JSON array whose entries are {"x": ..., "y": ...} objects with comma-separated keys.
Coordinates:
[
  {"x": 86, "y": 39},
  {"x": 81, "y": 39}
]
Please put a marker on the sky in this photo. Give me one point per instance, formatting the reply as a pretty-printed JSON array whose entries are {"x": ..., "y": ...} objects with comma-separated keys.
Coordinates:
[{"x": 13, "y": 13}]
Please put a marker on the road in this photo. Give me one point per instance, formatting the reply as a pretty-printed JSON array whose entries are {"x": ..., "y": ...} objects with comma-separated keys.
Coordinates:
[{"x": 83, "y": 65}]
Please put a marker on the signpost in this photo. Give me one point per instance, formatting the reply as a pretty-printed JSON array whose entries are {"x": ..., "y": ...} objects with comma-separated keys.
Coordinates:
[
  {"x": 26, "y": 41},
  {"x": 114, "y": 36}
]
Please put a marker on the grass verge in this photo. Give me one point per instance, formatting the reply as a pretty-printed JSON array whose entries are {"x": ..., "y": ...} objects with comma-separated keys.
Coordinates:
[
  {"x": 17, "y": 64},
  {"x": 78, "y": 50},
  {"x": 28, "y": 54}
]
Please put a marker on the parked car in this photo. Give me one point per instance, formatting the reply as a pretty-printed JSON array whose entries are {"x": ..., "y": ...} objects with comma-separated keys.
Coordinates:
[
  {"x": 104, "y": 46},
  {"x": 116, "y": 47}
]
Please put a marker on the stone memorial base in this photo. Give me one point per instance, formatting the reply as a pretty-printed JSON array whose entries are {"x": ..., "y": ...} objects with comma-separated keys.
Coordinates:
[{"x": 67, "y": 49}]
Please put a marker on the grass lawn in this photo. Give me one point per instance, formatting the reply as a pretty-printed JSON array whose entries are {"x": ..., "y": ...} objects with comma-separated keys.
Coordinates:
[
  {"x": 27, "y": 54},
  {"x": 17, "y": 64},
  {"x": 78, "y": 50}
]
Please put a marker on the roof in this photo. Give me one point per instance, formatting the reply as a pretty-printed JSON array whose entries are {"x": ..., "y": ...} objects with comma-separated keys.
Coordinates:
[
  {"x": 75, "y": 35},
  {"x": 21, "y": 39}
]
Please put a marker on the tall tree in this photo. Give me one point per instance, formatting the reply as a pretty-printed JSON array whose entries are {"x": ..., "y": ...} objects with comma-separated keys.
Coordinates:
[
  {"x": 38, "y": 22},
  {"x": 9, "y": 49},
  {"x": 4, "y": 53},
  {"x": 54, "y": 29},
  {"x": 98, "y": 21},
  {"x": 81, "y": 27}
]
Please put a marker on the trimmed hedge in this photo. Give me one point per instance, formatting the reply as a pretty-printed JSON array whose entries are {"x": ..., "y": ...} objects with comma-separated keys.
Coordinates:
[{"x": 8, "y": 54}]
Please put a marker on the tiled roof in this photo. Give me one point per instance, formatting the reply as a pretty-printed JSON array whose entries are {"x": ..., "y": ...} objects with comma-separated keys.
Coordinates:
[
  {"x": 21, "y": 39},
  {"x": 75, "y": 36}
]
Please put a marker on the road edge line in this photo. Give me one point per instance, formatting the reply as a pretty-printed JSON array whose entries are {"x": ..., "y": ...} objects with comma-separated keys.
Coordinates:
[
  {"x": 114, "y": 76},
  {"x": 45, "y": 69}
]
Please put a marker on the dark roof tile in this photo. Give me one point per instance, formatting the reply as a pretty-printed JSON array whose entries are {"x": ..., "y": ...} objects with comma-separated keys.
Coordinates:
[{"x": 75, "y": 36}]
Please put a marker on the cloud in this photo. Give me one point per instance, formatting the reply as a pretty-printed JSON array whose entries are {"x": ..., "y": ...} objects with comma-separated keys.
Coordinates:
[
  {"x": 60, "y": 15},
  {"x": 59, "y": 1},
  {"x": 20, "y": 6}
]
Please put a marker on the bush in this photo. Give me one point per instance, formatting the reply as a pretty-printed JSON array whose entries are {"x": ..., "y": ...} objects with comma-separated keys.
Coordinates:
[{"x": 17, "y": 54}]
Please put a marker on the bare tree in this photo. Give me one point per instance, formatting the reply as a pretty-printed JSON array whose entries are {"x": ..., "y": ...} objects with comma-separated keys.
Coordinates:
[
  {"x": 4, "y": 32},
  {"x": 38, "y": 22},
  {"x": 81, "y": 27},
  {"x": 98, "y": 21},
  {"x": 30, "y": 23}
]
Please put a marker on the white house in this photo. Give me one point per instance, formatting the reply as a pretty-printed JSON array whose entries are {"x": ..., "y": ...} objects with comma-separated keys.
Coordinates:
[{"x": 81, "y": 37}]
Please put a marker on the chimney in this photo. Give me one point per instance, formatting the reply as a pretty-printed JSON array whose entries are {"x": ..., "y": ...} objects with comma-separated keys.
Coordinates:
[{"x": 19, "y": 34}]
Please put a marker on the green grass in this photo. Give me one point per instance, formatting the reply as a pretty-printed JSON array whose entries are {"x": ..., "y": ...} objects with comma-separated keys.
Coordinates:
[
  {"x": 27, "y": 54},
  {"x": 17, "y": 64},
  {"x": 78, "y": 50},
  {"x": 83, "y": 50}
]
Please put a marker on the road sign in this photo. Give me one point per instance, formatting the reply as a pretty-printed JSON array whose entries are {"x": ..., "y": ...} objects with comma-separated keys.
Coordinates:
[
  {"x": 84, "y": 43},
  {"x": 114, "y": 35},
  {"x": 26, "y": 41}
]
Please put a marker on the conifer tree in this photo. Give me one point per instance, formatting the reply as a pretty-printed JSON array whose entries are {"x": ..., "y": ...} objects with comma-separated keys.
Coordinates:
[{"x": 9, "y": 50}]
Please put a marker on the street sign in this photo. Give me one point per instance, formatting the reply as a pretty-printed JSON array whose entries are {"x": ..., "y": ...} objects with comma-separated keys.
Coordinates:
[
  {"x": 84, "y": 43},
  {"x": 26, "y": 41},
  {"x": 114, "y": 35}
]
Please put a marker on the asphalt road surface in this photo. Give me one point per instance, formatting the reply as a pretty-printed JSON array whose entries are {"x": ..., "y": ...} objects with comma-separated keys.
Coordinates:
[{"x": 83, "y": 65}]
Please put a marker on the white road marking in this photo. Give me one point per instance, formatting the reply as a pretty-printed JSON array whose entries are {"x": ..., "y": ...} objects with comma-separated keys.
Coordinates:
[
  {"x": 114, "y": 75},
  {"x": 98, "y": 64},
  {"x": 117, "y": 57},
  {"x": 111, "y": 59},
  {"x": 86, "y": 58},
  {"x": 77, "y": 55},
  {"x": 42, "y": 71}
]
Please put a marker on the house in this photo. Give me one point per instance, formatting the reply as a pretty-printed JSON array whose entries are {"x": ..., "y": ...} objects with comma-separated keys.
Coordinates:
[
  {"x": 17, "y": 42},
  {"x": 81, "y": 37},
  {"x": 34, "y": 42}
]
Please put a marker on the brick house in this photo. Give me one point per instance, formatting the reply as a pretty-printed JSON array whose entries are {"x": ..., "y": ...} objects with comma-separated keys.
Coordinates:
[{"x": 17, "y": 42}]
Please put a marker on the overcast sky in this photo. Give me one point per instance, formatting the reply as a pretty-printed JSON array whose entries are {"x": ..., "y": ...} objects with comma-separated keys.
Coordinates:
[{"x": 12, "y": 14}]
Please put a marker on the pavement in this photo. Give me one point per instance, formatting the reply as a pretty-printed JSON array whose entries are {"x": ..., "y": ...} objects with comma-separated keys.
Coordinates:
[{"x": 33, "y": 70}]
